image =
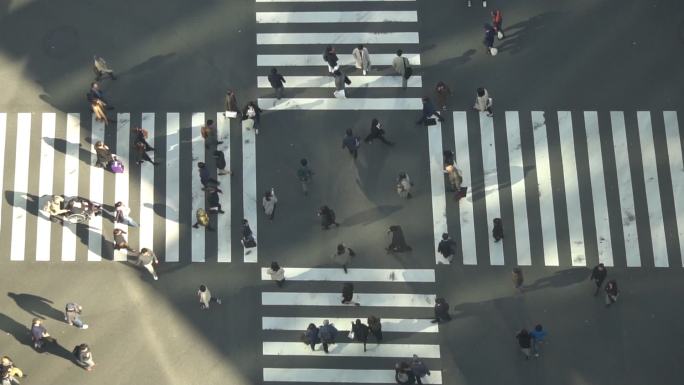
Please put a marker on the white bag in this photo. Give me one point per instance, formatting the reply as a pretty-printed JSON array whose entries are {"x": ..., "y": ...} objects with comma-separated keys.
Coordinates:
[
  {"x": 340, "y": 94},
  {"x": 500, "y": 35},
  {"x": 350, "y": 335},
  {"x": 248, "y": 124},
  {"x": 493, "y": 51},
  {"x": 231, "y": 114},
  {"x": 490, "y": 101}
]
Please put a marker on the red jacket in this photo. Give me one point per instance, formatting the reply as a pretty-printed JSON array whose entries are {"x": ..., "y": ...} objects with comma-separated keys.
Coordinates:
[{"x": 497, "y": 18}]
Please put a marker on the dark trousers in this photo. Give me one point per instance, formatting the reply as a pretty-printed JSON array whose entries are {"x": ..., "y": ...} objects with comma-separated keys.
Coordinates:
[
  {"x": 380, "y": 137},
  {"x": 442, "y": 316},
  {"x": 280, "y": 284},
  {"x": 377, "y": 334},
  {"x": 325, "y": 346},
  {"x": 354, "y": 152},
  {"x": 144, "y": 157},
  {"x": 279, "y": 91},
  {"x": 599, "y": 283}
]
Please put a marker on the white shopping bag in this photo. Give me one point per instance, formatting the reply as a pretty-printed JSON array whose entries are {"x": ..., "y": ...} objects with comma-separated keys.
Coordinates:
[
  {"x": 493, "y": 51},
  {"x": 340, "y": 94}
]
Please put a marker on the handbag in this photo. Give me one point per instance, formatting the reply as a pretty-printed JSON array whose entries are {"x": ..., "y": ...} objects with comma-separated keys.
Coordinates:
[
  {"x": 408, "y": 71},
  {"x": 350, "y": 335},
  {"x": 347, "y": 81},
  {"x": 500, "y": 35},
  {"x": 430, "y": 122}
]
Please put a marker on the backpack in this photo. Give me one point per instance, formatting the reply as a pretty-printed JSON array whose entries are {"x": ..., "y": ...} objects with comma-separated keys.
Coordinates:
[{"x": 115, "y": 166}]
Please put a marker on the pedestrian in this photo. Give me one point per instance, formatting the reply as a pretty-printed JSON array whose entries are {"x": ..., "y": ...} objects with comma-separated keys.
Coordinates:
[
  {"x": 518, "y": 279},
  {"x": 375, "y": 327},
  {"x": 141, "y": 135},
  {"x": 101, "y": 68},
  {"x": 376, "y": 132},
  {"x": 330, "y": 57},
  {"x": 327, "y": 217},
  {"x": 497, "y": 22},
  {"x": 443, "y": 92},
  {"x": 142, "y": 154},
  {"x": 277, "y": 82},
  {"x": 441, "y": 310},
  {"x": 9, "y": 372},
  {"x": 311, "y": 336},
  {"x": 446, "y": 247},
  {"x": 104, "y": 155},
  {"x": 402, "y": 67},
  {"x": 72, "y": 315},
  {"x": 403, "y": 373},
  {"x": 598, "y": 275},
  {"x": 341, "y": 81},
  {"x": 253, "y": 112},
  {"x": 343, "y": 256},
  {"x": 419, "y": 368},
  {"x": 205, "y": 178},
  {"x": 122, "y": 214},
  {"x": 120, "y": 241},
  {"x": 95, "y": 93},
  {"x": 231, "y": 105},
  {"x": 84, "y": 357},
  {"x": 327, "y": 333},
  {"x": 248, "y": 240},
  {"x": 489, "y": 39},
  {"x": 397, "y": 240},
  {"x": 428, "y": 113},
  {"x": 454, "y": 178},
  {"x": 483, "y": 102},
  {"x": 538, "y": 335},
  {"x": 221, "y": 163},
  {"x": 205, "y": 297},
  {"x": 612, "y": 292},
  {"x": 268, "y": 202},
  {"x": 360, "y": 332},
  {"x": 348, "y": 294},
  {"x": 277, "y": 273},
  {"x": 98, "y": 107},
  {"x": 208, "y": 133},
  {"x": 351, "y": 142},
  {"x": 497, "y": 230},
  {"x": 148, "y": 259},
  {"x": 404, "y": 186},
  {"x": 39, "y": 334},
  {"x": 213, "y": 201},
  {"x": 304, "y": 174},
  {"x": 202, "y": 219},
  {"x": 524, "y": 342},
  {"x": 362, "y": 58}
]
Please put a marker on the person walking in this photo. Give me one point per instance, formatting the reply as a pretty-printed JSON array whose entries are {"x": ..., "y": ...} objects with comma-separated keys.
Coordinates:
[
  {"x": 277, "y": 273},
  {"x": 84, "y": 357},
  {"x": 518, "y": 279},
  {"x": 483, "y": 102},
  {"x": 397, "y": 241},
  {"x": 351, "y": 143},
  {"x": 341, "y": 81},
  {"x": 96, "y": 94},
  {"x": 205, "y": 178},
  {"x": 612, "y": 292},
  {"x": 375, "y": 327},
  {"x": 360, "y": 332},
  {"x": 304, "y": 174},
  {"x": 489, "y": 39},
  {"x": 122, "y": 214},
  {"x": 497, "y": 229},
  {"x": 141, "y": 136},
  {"x": 419, "y": 368},
  {"x": 101, "y": 68},
  {"x": 442, "y": 92},
  {"x": 208, "y": 133},
  {"x": 330, "y": 57},
  {"x": 403, "y": 373},
  {"x": 205, "y": 297},
  {"x": 446, "y": 247},
  {"x": 311, "y": 336},
  {"x": 327, "y": 333},
  {"x": 72, "y": 315},
  {"x": 98, "y": 107},
  {"x": 404, "y": 186},
  {"x": 103, "y": 154},
  {"x": 538, "y": 335},
  {"x": 376, "y": 132},
  {"x": 497, "y": 23},
  {"x": 248, "y": 240},
  {"x": 343, "y": 256},
  {"x": 327, "y": 217},
  {"x": 9, "y": 373},
  {"x": 142, "y": 154},
  {"x": 441, "y": 311},
  {"x": 120, "y": 241},
  {"x": 524, "y": 342},
  {"x": 269, "y": 203},
  {"x": 231, "y": 105},
  {"x": 598, "y": 275},
  {"x": 428, "y": 113},
  {"x": 213, "y": 201},
  {"x": 221, "y": 163},
  {"x": 348, "y": 294},
  {"x": 454, "y": 178},
  {"x": 39, "y": 334},
  {"x": 148, "y": 259},
  {"x": 253, "y": 112},
  {"x": 277, "y": 82},
  {"x": 202, "y": 219},
  {"x": 401, "y": 66},
  {"x": 362, "y": 58}
]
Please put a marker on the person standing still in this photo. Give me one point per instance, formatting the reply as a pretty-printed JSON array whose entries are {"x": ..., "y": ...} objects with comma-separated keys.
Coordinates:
[
  {"x": 72, "y": 315},
  {"x": 360, "y": 332},
  {"x": 277, "y": 273},
  {"x": 277, "y": 81},
  {"x": 443, "y": 92},
  {"x": 598, "y": 275},
  {"x": 269, "y": 203},
  {"x": 304, "y": 174},
  {"x": 612, "y": 292},
  {"x": 148, "y": 259},
  {"x": 362, "y": 58},
  {"x": 205, "y": 297},
  {"x": 402, "y": 67},
  {"x": 351, "y": 143}
]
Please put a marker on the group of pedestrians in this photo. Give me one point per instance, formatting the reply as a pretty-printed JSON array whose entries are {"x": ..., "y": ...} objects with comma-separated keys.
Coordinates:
[
  {"x": 326, "y": 334},
  {"x": 411, "y": 372}
]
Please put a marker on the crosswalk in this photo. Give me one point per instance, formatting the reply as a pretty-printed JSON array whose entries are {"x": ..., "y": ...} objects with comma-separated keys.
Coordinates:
[
  {"x": 402, "y": 298},
  {"x": 572, "y": 188}
]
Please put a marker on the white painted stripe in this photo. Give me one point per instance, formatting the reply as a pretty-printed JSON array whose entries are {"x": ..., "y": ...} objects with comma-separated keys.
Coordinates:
[
  {"x": 624, "y": 177},
  {"x": 598, "y": 189},
  {"x": 378, "y": 59},
  {"x": 3, "y": 133},
  {"x": 146, "y": 229},
  {"x": 337, "y": 17},
  {"x": 172, "y": 162},
  {"x": 517, "y": 173},
  {"x": 543, "y": 166},
  {"x": 652, "y": 185},
  {"x": 96, "y": 193},
  {"x": 45, "y": 181},
  {"x": 249, "y": 194},
  {"x": 71, "y": 163},
  {"x": 356, "y": 82},
  {"x": 572, "y": 189},
  {"x": 355, "y": 275},
  {"x": 341, "y": 104},
  {"x": 337, "y": 38},
  {"x": 20, "y": 195},
  {"x": 342, "y": 376},
  {"x": 343, "y": 349},
  {"x": 223, "y": 226},
  {"x": 198, "y": 196},
  {"x": 491, "y": 186},
  {"x": 398, "y": 325},
  {"x": 674, "y": 151},
  {"x": 123, "y": 136},
  {"x": 335, "y": 299},
  {"x": 438, "y": 195},
  {"x": 465, "y": 205},
  {"x": 327, "y": 1}
]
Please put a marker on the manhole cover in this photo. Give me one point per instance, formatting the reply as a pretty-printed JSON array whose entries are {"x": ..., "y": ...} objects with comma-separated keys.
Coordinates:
[{"x": 61, "y": 41}]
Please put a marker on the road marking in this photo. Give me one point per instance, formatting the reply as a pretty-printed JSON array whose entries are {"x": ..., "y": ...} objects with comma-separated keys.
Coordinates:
[
  {"x": 45, "y": 181},
  {"x": 438, "y": 195},
  {"x": 491, "y": 185},
  {"x": 341, "y": 104},
  {"x": 624, "y": 177},
  {"x": 546, "y": 207},
  {"x": 171, "y": 221},
  {"x": 398, "y": 325},
  {"x": 71, "y": 163},
  {"x": 337, "y": 38},
  {"x": 344, "y": 376},
  {"x": 123, "y": 139},
  {"x": 146, "y": 229},
  {"x": 96, "y": 192},
  {"x": 517, "y": 172},
  {"x": 223, "y": 221},
  {"x": 465, "y": 204},
  {"x": 378, "y": 59},
  {"x": 356, "y": 82},
  {"x": 572, "y": 184},
  {"x": 674, "y": 151},
  {"x": 354, "y": 275},
  {"x": 249, "y": 194},
  {"x": 652, "y": 186},
  {"x": 20, "y": 195},
  {"x": 3, "y": 134},
  {"x": 198, "y": 196},
  {"x": 335, "y": 299},
  {"x": 342, "y": 349},
  {"x": 598, "y": 188},
  {"x": 337, "y": 17}
]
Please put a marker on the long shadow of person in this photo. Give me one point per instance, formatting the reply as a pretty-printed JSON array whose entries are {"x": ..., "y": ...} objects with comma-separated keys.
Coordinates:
[
  {"x": 36, "y": 305},
  {"x": 20, "y": 332},
  {"x": 560, "y": 278}
]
